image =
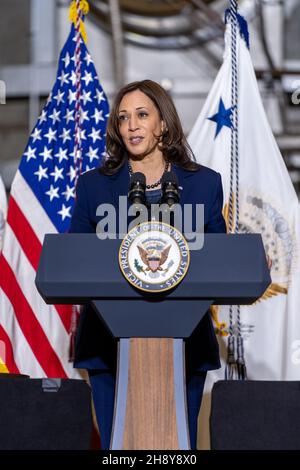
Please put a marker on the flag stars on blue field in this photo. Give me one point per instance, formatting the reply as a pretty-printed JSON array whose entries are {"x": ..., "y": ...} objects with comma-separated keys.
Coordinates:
[
  {"x": 84, "y": 116},
  {"x": 73, "y": 78},
  {"x": 41, "y": 173},
  {"x": 67, "y": 60},
  {"x": 88, "y": 59},
  {"x": 36, "y": 134},
  {"x": 99, "y": 96},
  {"x": 86, "y": 97},
  {"x": 55, "y": 116},
  {"x": 65, "y": 212},
  {"x": 57, "y": 173},
  {"x": 51, "y": 135},
  {"x": 98, "y": 115},
  {"x": 92, "y": 153},
  {"x": 69, "y": 116},
  {"x": 53, "y": 192},
  {"x": 59, "y": 97},
  {"x": 46, "y": 154},
  {"x": 43, "y": 117},
  {"x": 87, "y": 78},
  {"x": 72, "y": 173},
  {"x": 63, "y": 78},
  {"x": 82, "y": 134},
  {"x": 222, "y": 118},
  {"x": 65, "y": 135},
  {"x": 30, "y": 153},
  {"x": 61, "y": 155},
  {"x": 72, "y": 96},
  {"x": 95, "y": 135},
  {"x": 69, "y": 192}
]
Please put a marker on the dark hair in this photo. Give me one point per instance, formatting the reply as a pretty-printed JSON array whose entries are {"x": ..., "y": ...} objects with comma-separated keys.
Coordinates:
[{"x": 173, "y": 144}]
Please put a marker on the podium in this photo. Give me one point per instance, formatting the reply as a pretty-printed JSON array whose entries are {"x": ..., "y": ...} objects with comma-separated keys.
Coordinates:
[{"x": 150, "y": 404}]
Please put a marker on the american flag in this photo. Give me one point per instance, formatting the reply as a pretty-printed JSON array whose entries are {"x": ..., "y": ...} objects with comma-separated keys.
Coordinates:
[{"x": 34, "y": 337}]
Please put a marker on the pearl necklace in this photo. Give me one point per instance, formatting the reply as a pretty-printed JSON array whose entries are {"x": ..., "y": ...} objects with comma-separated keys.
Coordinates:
[{"x": 154, "y": 185}]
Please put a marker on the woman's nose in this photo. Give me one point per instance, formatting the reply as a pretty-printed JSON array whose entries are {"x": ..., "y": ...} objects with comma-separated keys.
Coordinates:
[{"x": 133, "y": 123}]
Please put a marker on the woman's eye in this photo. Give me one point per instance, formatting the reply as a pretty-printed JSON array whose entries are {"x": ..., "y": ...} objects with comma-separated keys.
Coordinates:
[
  {"x": 123, "y": 117},
  {"x": 143, "y": 114}
]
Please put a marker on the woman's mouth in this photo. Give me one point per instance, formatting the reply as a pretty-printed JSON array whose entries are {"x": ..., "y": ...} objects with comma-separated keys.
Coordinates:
[{"x": 135, "y": 140}]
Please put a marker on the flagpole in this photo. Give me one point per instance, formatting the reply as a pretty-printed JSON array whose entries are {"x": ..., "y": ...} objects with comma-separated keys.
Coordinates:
[
  {"x": 230, "y": 371},
  {"x": 241, "y": 365},
  {"x": 77, "y": 150},
  {"x": 236, "y": 367},
  {"x": 77, "y": 153},
  {"x": 234, "y": 130}
]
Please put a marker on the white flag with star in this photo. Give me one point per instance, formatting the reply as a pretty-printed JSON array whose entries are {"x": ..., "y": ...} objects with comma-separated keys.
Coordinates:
[{"x": 268, "y": 205}]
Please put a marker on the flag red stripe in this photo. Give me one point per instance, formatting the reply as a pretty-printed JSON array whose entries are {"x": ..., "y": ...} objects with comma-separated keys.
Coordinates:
[
  {"x": 26, "y": 237},
  {"x": 33, "y": 332},
  {"x": 65, "y": 313},
  {"x": 32, "y": 248},
  {"x": 8, "y": 359}
]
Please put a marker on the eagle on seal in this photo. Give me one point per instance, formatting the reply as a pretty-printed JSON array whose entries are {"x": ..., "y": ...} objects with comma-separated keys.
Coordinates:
[{"x": 154, "y": 259}]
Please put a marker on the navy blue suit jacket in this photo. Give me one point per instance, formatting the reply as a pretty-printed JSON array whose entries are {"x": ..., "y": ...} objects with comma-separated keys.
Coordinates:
[{"x": 94, "y": 346}]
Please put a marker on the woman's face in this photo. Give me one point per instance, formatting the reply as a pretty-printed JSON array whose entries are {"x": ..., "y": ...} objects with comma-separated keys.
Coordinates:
[{"x": 140, "y": 125}]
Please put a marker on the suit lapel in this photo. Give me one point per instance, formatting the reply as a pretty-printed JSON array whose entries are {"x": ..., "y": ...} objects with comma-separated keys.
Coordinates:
[
  {"x": 183, "y": 183},
  {"x": 119, "y": 184}
]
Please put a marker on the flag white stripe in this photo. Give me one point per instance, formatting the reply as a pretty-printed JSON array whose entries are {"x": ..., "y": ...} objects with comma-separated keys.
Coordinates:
[{"x": 31, "y": 208}]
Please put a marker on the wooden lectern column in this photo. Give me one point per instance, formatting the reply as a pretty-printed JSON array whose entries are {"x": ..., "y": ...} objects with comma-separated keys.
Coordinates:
[{"x": 150, "y": 405}]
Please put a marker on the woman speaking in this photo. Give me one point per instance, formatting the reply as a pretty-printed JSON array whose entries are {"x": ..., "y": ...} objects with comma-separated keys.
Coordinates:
[{"x": 144, "y": 134}]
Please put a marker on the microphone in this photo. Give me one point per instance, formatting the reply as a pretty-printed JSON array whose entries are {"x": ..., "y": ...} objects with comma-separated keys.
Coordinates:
[
  {"x": 169, "y": 186},
  {"x": 137, "y": 189}
]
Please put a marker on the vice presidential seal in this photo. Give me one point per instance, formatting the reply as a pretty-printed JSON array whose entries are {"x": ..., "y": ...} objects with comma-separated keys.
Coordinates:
[{"x": 154, "y": 257}]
